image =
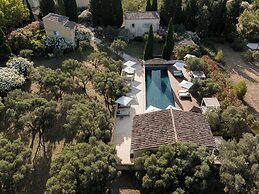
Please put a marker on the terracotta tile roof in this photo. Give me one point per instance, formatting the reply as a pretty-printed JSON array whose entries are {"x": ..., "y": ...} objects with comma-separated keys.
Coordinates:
[
  {"x": 153, "y": 129},
  {"x": 140, "y": 15}
]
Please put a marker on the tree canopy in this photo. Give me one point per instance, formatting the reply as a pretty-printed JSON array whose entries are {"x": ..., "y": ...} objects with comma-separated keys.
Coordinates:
[
  {"x": 239, "y": 170},
  {"x": 148, "y": 52},
  {"x": 12, "y": 12},
  {"x": 169, "y": 42},
  {"x": 15, "y": 165},
  {"x": 83, "y": 168},
  {"x": 47, "y": 6},
  {"x": 184, "y": 167}
]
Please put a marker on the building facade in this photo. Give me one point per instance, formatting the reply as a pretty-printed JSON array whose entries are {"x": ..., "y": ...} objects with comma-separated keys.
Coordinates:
[
  {"x": 58, "y": 25},
  {"x": 138, "y": 23}
]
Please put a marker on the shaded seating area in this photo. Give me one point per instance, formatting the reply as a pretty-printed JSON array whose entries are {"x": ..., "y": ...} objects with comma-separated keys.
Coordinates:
[
  {"x": 123, "y": 106},
  {"x": 209, "y": 103}
]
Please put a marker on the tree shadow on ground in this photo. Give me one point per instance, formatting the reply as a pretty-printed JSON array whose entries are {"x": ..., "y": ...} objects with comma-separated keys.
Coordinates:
[{"x": 39, "y": 177}]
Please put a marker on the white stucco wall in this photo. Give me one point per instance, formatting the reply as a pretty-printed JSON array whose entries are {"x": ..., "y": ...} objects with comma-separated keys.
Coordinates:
[
  {"x": 34, "y": 3},
  {"x": 52, "y": 27},
  {"x": 141, "y": 26},
  {"x": 82, "y": 3}
]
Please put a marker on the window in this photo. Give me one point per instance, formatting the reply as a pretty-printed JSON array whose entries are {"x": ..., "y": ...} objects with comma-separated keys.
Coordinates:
[
  {"x": 56, "y": 33},
  {"x": 133, "y": 25}
]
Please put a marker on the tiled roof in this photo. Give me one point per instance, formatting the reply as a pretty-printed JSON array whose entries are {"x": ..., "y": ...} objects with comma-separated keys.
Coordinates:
[
  {"x": 56, "y": 17},
  {"x": 61, "y": 19},
  {"x": 140, "y": 15},
  {"x": 153, "y": 129}
]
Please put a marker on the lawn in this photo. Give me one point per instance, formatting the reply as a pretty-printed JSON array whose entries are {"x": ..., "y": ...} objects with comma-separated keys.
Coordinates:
[{"x": 136, "y": 49}]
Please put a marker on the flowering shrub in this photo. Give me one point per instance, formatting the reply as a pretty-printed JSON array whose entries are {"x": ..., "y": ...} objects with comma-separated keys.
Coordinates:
[
  {"x": 82, "y": 34},
  {"x": 24, "y": 38},
  {"x": 57, "y": 44},
  {"x": 226, "y": 94},
  {"x": 22, "y": 65},
  {"x": 9, "y": 79}
]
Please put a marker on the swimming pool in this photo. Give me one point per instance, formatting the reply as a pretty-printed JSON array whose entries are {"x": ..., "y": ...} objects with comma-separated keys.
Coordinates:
[{"x": 158, "y": 88}]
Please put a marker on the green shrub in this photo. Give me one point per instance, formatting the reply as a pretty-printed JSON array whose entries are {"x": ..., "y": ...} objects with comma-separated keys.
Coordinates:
[
  {"x": 240, "y": 89},
  {"x": 181, "y": 50},
  {"x": 84, "y": 45},
  {"x": 26, "y": 53},
  {"x": 205, "y": 88},
  {"x": 194, "y": 64},
  {"x": 220, "y": 56}
]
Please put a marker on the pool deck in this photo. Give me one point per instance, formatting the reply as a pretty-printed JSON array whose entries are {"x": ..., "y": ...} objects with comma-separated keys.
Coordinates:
[
  {"x": 184, "y": 104},
  {"x": 123, "y": 126}
]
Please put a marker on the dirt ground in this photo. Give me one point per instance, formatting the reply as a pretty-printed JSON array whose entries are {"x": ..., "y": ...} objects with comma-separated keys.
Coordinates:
[{"x": 239, "y": 69}]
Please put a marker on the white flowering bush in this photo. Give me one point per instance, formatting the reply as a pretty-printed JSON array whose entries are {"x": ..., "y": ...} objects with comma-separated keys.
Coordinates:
[
  {"x": 82, "y": 34},
  {"x": 9, "y": 79},
  {"x": 22, "y": 65},
  {"x": 57, "y": 44}
]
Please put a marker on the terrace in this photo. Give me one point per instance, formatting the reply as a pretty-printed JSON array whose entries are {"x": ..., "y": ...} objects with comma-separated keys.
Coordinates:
[{"x": 122, "y": 133}]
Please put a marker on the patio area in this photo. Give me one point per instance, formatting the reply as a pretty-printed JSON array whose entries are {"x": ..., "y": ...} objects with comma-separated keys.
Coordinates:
[
  {"x": 190, "y": 104},
  {"x": 123, "y": 124}
]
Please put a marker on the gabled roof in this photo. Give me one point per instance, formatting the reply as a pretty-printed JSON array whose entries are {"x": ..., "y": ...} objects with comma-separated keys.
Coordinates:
[
  {"x": 154, "y": 129},
  {"x": 61, "y": 19},
  {"x": 141, "y": 15}
]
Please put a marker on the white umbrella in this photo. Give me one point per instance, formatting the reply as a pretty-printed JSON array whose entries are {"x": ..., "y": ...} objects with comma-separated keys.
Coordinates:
[
  {"x": 185, "y": 84},
  {"x": 179, "y": 65},
  {"x": 152, "y": 109},
  {"x": 124, "y": 100},
  {"x": 129, "y": 70},
  {"x": 172, "y": 107},
  {"x": 130, "y": 63}
]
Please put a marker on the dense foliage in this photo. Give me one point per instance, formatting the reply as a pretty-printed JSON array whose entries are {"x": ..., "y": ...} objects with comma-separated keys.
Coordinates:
[
  {"x": 47, "y": 6},
  {"x": 83, "y": 168},
  {"x": 169, "y": 42},
  {"x": 12, "y": 12},
  {"x": 148, "y": 52},
  {"x": 15, "y": 165},
  {"x": 10, "y": 79},
  {"x": 22, "y": 65},
  {"x": 5, "y": 50},
  {"x": 240, "y": 165},
  {"x": 107, "y": 12},
  {"x": 118, "y": 45},
  {"x": 183, "y": 167},
  {"x": 231, "y": 122},
  {"x": 71, "y": 9}
]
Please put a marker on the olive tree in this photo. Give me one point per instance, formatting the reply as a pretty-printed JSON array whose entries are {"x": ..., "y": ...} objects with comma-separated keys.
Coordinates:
[{"x": 83, "y": 168}]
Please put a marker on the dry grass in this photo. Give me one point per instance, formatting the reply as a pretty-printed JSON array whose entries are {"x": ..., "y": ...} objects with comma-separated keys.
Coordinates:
[{"x": 241, "y": 70}]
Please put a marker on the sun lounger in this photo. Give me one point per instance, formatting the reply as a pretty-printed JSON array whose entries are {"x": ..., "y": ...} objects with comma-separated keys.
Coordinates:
[
  {"x": 184, "y": 94},
  {"x": 178, "y": 73}
]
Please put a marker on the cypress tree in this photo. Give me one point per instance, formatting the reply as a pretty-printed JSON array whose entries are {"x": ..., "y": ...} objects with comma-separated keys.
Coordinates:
[
  {"x": 148, "y": 6},
  {"x": 47, "y": 6},
  {"x": 94, "y": 5},
  {"x": 5, "y": 50},
  {"x": 71, "y": 9},
  {"x": 148, "y": 53},
  {"x": 154, "y": 5},
  {"x": 169, "y": 43},
  {"x": 61, "y": 7},
  {"x": 118, "y": 13},
  {"x": 30, "y": 10}
]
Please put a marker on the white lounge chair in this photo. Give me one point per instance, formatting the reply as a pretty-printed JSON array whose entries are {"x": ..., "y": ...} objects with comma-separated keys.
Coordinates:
[
  {"x": 184, "y": 94},
  {"x": 178, "y": 73}
]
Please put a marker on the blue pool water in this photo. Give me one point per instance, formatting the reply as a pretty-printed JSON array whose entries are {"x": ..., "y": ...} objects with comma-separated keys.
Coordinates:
[{"x": 158, "y": 88}]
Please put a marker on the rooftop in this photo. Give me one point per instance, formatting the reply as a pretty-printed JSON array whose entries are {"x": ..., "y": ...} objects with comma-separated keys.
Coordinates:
[
  {"x": 61, "y": 19},
  {"x": 139, "y": 15},
  {"x": 153, "y": 129}
]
